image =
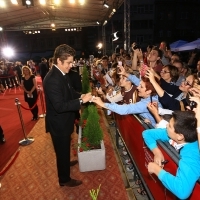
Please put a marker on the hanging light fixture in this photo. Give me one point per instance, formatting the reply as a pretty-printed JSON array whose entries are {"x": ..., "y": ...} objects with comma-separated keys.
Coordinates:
[
  {"x": 105, "y": 22},
  {"x": 27, "y": 3},
  {"x": 105, "y": 4}
]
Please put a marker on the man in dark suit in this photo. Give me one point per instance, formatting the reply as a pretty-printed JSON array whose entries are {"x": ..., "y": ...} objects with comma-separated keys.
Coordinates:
[
  {"x": 61, "y": 104},
  {"x": 43, "y": 67}
]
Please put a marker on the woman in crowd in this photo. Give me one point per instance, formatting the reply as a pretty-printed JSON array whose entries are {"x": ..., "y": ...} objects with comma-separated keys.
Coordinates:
[
  {"x": 168, "y": 77},
  {"x": 171, "y": 102},
  {"x": 30, "y": 90},
  {"x": 146, "y": 92}
]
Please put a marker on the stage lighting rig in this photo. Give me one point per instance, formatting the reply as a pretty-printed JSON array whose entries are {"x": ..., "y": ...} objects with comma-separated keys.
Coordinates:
[{"x": 27, "y": 3}]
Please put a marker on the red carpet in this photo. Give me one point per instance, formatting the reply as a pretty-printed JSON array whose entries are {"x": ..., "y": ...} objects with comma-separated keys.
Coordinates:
[
  {"x": 10, "y": 121},
  {"x": 33, "y": 175}
]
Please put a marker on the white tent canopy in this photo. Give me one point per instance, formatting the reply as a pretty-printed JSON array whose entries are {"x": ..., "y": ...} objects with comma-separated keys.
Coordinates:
[
  {"x": 175, "y": 45},
  {"x": 190, "y": 46}
]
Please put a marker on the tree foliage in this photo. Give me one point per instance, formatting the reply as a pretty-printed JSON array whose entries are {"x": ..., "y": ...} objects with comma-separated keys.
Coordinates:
[
  {"x": 92, "y": 130},
  {"x": 85, "y": 81}
]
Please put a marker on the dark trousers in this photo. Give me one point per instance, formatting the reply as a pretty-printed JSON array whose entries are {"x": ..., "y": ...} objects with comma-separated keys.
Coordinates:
[
  {"x": 31, "y": 103},
  {"x": 1, "y": 132},
  {"x": 62, "y": 149},
  {"x": 13, "y": 81}
]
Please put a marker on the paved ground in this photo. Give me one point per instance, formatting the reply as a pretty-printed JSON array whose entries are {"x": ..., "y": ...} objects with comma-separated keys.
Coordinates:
[{"x": 128, "y": 175}]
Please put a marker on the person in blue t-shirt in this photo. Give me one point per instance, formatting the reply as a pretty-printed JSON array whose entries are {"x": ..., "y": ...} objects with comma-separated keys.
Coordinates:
[{"x": 181, "y": 129}]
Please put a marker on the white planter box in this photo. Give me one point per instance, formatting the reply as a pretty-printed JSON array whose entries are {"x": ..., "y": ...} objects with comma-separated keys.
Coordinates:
[{"x": 93, "y": 159}]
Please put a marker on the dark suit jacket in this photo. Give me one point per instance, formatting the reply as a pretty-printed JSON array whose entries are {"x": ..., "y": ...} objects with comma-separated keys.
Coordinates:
[
  {"x": 43, "y": 68},
  {"x": 75, "y": 80},
  {"x": 61, "y": 103}
]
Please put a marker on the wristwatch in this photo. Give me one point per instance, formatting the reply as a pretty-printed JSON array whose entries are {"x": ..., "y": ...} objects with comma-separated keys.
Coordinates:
[{"x": 81, "y": 101}]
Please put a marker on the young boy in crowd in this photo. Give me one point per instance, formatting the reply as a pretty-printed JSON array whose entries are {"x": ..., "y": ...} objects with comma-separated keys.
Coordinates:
[{"x": 181, "y": 129}]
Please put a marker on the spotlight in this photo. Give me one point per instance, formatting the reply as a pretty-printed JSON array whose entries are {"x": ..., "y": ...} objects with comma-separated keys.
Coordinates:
[
  {"x": 8, "y": 52},
  {"x": 27, "y": 3},
  {"x": 57, "y": 2},
  {"x": 105, "y": 22},
  {"x": 53, "y": 25},
  {"x": 116, "y": 36},
  {"x": 43, "y": 2},
  {"x": 14, "y": 2},
  {"x": 100, "y": 45},
  {"x": 1, "y": 29},
  {"x": 72, "y": 1},
  {"x": 98, "y": 22},
  {"x": 105, "y": 5},
  {"x": 82, "y": 2}
]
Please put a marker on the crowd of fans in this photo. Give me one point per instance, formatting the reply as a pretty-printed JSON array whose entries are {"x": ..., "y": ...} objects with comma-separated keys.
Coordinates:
[
  {"x": 158, "y": 85},
  {"x": 165, "y": 92}
]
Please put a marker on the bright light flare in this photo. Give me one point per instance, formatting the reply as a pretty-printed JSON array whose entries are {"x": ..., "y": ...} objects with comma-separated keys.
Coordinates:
[
  {"x": 57, "y": 2},
  {"x": 14, "y": 2},
  {"x": 82, "y": 2},
  {"x": 72, "y": 1},
  {"x": 100, "y": 45},
  {"x": 8, "y": 52},
  {"x": 2, "y": 4},
  {"x": 43, "y": 2}
]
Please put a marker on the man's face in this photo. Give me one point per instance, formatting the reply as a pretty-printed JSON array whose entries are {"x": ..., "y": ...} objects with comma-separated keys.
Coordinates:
[
  {"x": 124, "y": 81},
  {"x": 162, "y": 46},
  {"x": 66, "y": 65},
  {"x": 105, "y": 63},
  {"x": 178, "y": 66},
  {"x": 174, "y": 58},
  {"x": 153, "y": 56},
  {"x": 170, "y": 130},
  {"x": 198, "y": 66}
]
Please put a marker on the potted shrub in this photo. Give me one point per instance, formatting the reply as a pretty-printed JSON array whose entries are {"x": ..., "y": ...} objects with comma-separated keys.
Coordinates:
[
  {"x": 91, "y": 149},
  {"x": 85, "y": 81}
]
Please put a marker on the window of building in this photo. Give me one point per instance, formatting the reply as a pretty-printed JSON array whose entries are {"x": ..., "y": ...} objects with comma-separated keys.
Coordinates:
[
  {"x": 141, "y": 9},
  {"x": 161, "y": 34},
  {"x": 169, "y": 33},
  {"x": 161, "y": 16},
  {"x": 151, "y": 8},
  {"x": 139, "y": 39},
  {"x": 184, "y": 15}
]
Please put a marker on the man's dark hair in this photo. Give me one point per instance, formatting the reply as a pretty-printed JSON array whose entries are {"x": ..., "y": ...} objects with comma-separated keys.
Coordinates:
[
  {"x": 160, "y": 53},
  {"x": 43, "y": 59},
  {"x": 185, "y": 123},
  {"x": 62, "y": 52},
  {"x": 178, "y": 61},
  {"x": 104, "y": 58}
]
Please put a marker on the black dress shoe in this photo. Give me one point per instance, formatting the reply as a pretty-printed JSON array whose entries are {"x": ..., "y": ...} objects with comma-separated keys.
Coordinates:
[
  {"x": 74, "y": 162},
  {"x": 71, "y": 183},
  {"x": 3, "y": 140}
]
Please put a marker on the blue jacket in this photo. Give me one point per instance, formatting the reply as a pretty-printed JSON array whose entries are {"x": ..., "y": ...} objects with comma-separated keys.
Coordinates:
[
  {"x": 188, "y": 171},
  {"x": 136, "y": 108}
]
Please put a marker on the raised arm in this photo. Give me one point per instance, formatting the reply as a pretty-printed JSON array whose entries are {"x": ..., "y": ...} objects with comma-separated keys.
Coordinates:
[{"x": 157, "y": 87}]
